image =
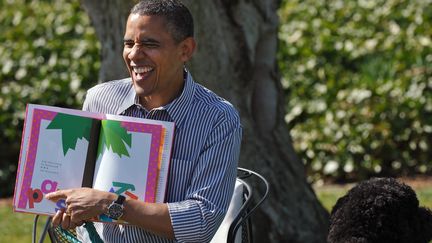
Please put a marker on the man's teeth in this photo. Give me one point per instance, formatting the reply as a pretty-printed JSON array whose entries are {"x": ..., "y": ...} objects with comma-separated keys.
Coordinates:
[{"x": 140, "y": 70}]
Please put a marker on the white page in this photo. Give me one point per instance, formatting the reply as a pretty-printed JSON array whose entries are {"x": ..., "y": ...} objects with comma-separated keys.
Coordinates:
[
  {"x": 110, "y": 167},
  {"x": 166, "y": 150},
  {"x": 49, "y": 169},
  {"x": 53, "y": 166}
]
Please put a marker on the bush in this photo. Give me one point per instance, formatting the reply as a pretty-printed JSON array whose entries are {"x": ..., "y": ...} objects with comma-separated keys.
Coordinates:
[
  {"x": 49, "y": 55},
  {"x": 358, "y": 79}
]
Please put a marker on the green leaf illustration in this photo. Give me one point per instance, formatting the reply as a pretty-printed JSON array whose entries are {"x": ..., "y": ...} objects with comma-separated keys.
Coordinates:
[
  {"x": 73, "y": 128},
  {"x": 114, "y": 136}
]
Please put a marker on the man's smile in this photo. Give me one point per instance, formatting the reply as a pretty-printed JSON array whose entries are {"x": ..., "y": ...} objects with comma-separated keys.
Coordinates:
[{"x": 141, "y": 71}]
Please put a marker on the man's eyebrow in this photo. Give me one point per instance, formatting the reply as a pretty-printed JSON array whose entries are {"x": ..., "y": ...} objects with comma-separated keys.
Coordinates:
[{"x": 143, "y": 41}]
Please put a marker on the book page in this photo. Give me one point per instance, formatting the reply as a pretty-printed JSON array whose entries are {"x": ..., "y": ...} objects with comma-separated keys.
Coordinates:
[
  {"x": 128, "y": 159},
  {"x": 128, "y": 168},
  {"x": 164, "y": 154},
  {"x": 165, "y": 158},
  {"x": 48, "y": 161}
]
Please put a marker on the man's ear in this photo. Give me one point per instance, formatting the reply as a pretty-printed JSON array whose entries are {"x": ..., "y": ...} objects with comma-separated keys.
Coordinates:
[{"x": 187, "y": 48}]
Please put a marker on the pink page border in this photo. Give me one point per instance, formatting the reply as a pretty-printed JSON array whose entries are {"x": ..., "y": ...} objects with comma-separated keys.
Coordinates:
[
  {"x": 15, "y": 198},
  {"x": 38, "y": 115},
  {"x": 153, "y": 167}
]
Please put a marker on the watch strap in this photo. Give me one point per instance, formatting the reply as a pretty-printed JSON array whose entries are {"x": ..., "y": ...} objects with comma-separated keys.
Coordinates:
[
  {"x": 120, "y": 199},
  {"x": 115, "y": 209}
]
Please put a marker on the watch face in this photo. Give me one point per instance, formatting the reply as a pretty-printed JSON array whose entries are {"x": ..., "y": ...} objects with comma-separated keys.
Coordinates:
[{"x": 115, "y": 211}]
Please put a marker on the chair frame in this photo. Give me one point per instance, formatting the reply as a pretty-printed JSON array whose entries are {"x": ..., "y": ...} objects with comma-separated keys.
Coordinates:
[{"x": 243, "y": 218}]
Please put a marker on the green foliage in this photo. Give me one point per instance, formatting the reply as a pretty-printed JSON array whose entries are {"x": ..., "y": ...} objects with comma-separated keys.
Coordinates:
[
  {"x": 114, "y": 136},
  {"x": 358, "y": 79},
  {"x": 72, "y": 128},
  {"x": 49, "y": 55}
]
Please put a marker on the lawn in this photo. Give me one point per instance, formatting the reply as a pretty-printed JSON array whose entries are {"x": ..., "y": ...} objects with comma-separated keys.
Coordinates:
[
  {"x": 17, "y": 227},
  {"x": 329, "y": 194}
]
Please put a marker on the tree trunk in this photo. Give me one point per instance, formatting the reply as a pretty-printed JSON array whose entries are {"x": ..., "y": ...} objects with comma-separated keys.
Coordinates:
[
  {"x": 236, "y": 58},
  {"x": 109, "y": 20}
]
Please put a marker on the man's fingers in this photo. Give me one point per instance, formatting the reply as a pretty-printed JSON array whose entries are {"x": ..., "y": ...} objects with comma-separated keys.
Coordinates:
[
  {"x": 57, "y": 195},
  {"x": 75, "y": 218},
  {"x": 57, "y": 218},
  {"x": 65, "y": 224}
]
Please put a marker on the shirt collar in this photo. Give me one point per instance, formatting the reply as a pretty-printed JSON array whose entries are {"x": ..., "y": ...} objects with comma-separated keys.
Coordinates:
[
  {"x": 129, "y": 100},
  {"x": 177, "y": 109}
]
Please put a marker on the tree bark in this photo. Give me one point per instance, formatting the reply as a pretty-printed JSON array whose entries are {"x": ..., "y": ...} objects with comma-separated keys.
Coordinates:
[
  {"x": 109, "y": 17},
  {"x": 236, "y": 58}
]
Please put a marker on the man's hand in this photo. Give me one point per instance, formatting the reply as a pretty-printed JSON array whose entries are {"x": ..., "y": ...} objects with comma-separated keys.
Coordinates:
[{"x": 81, "y": 204}]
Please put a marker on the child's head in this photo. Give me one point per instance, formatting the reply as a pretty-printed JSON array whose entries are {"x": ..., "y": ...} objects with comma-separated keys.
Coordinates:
[{"x": 380, "y": 210}]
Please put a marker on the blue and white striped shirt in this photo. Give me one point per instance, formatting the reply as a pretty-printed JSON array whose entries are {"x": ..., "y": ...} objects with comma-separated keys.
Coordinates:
[{"x": 204, "y": 158}]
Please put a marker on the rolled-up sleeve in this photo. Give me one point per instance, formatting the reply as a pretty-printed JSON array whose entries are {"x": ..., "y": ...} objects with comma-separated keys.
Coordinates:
[{"x": 197, "y": 218}]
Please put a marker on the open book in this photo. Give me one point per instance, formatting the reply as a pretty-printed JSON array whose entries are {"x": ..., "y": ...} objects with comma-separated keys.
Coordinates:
[{"x": 66, "y": 148}]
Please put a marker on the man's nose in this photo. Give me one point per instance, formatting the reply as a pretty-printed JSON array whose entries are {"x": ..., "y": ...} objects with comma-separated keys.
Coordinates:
[{"x": 136, "y": 52}]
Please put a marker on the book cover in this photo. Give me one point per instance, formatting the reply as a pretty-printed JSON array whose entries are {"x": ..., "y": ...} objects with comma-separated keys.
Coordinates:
[{"x": 65, "y": 148}]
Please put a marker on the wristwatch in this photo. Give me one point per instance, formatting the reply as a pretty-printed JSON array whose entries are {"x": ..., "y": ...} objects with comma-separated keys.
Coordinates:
[{"x": 115, "y": 209}]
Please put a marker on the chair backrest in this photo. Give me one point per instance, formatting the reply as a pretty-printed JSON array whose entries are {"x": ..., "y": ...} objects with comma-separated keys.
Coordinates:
[
  {"x": 236, "y": 203},
  {"x": 253, "y": 199},
  {"x": 236, "y": 226}
]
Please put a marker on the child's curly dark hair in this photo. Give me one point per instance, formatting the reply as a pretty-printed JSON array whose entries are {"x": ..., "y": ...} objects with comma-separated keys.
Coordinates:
[{"x": 380, "y": 210}]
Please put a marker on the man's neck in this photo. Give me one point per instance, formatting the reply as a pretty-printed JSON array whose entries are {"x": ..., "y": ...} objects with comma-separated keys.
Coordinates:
[{"x": 152, "y": 102}]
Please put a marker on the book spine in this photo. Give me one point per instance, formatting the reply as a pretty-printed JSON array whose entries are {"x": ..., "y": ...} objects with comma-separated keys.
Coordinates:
[{"x": 91, "y": 154}]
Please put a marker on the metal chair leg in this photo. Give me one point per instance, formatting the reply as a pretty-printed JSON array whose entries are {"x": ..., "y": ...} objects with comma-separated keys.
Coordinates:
[{"x": 44, "y": 231}]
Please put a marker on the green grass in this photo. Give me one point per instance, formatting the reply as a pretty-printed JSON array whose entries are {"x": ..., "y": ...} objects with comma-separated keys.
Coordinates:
[
  {"x": 328, "y": 195},
  {"x": 17, "y": 227},
  {"x": 425, "y": 197}
]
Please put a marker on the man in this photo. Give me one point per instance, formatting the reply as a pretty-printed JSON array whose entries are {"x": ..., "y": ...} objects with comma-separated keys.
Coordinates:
[{"x": 157, "y": 43}]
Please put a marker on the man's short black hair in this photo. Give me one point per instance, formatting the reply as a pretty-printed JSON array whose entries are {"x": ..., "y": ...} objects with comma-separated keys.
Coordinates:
[
  {"x": 380, "y": 210},
  {"x": 178, "y": 18}
]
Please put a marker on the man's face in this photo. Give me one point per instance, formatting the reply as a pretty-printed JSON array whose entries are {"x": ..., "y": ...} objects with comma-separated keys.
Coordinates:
[{"x": 154, "y": 60}]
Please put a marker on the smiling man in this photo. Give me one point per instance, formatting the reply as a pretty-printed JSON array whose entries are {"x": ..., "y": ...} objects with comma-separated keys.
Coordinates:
[
  {"x": 157, "y": 43},
  {"x": 155, "y": 58}
]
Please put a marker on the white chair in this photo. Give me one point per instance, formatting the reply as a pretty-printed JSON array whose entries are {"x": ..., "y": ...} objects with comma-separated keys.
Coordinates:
[
  {"x": 237, "y": 224},
  {"x": 232, "y": 212}
]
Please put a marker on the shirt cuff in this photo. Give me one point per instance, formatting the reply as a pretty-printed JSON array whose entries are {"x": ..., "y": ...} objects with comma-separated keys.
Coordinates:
[{"x": 191, "y": 222}]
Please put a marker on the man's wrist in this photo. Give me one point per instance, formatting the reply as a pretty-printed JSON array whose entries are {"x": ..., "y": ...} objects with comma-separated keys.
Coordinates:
[
  {"x": 115, "y": 209},
  {"x": 107, "y": 200}
]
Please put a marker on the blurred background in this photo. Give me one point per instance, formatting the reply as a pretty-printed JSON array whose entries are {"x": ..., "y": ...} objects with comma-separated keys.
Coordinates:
[
  {"x": 49, "y": 55},
  {"x": 357, "y": 77}
]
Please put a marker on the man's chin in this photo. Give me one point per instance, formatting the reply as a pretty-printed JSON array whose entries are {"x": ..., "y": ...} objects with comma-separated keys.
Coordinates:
[{"x": 139, "y": 90}]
